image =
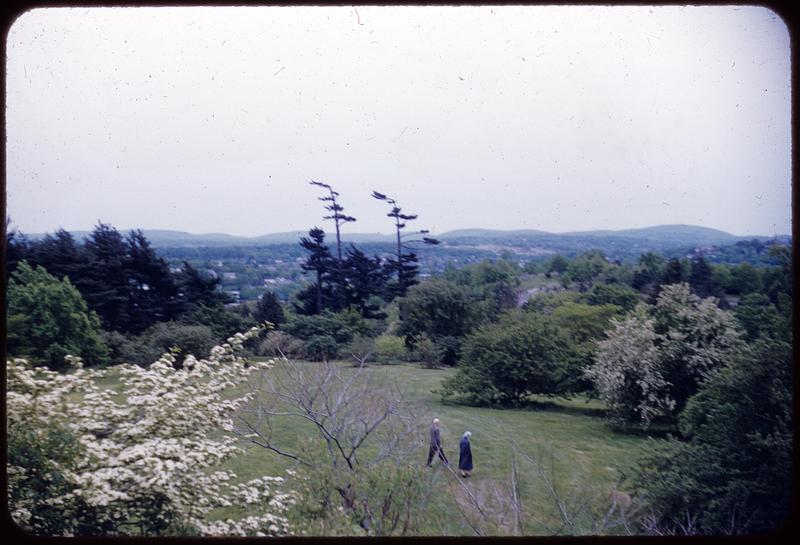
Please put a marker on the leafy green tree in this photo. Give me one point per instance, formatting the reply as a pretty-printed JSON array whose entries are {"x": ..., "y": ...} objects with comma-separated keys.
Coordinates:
[
  {"x": 439, "y": 309},
  {"x": 321, "y": 348},
  {"x": 721, "y": 279},
  {"x": 757, "y": 317},
  {"x": 521, "y": 354},
  {"x": 673, "y": 272},
  {"x": 731, "y": 472},
  {"x": 583, "y": 269},
  {"x": 45, "y": 453},
  {"x": 490, "y": 282},
  {"x": 558, "y": 264},
  {"x": 222, "y": 322},
  {"x": 613, "y": 294},
  {"x": 648, "y": 273},
  {"x": 746, "y": 279},
  {"x": 778, "y": 281},
  {"x": 342, "y": 327},
  {"x": 700, "y": 278},
  {"x": 177, "y": 338},
  {"x": 48, "y": 319},
  {"x": 546, "y": 303},
  {"x": 583, "y": 325},
  {"x": 389, "y": 348}
]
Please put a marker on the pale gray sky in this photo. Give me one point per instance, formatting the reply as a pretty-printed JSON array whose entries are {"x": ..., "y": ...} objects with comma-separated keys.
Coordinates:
[{"x": 552, "y": 118}]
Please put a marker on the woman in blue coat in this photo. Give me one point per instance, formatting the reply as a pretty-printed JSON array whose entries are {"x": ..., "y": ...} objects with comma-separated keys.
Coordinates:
[{"x": 465, "y": 455}]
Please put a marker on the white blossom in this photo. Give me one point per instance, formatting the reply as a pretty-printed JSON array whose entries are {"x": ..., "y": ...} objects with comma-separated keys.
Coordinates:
[{"x": 147, "y": 452}]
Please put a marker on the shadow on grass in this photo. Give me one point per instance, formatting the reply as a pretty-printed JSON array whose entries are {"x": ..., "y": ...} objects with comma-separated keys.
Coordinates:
[{"x": 656, "y": 430}]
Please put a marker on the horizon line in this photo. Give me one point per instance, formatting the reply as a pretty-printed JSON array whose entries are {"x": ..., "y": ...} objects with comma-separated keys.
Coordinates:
[{"x": 377, "y": 233}]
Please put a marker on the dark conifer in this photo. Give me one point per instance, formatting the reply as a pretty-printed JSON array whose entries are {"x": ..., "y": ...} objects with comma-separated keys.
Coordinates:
[{"x": 404, "y": 265}]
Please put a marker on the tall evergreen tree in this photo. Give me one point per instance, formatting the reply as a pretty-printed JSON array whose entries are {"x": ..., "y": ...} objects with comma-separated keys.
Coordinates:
[
  {"x": 153, "y": 292},
  {"x": 404, "y": 265},
  {"x": 313, "y": 300},
  {"x": 196, "y": 290},
  {"x": 366, "y": 278},
  {"x": 269, "y": 309},
  {"x": 60, "y": 255},
  {"x": 337, "y": 215},
  {"x": 17, "y": 248},
  {"x": 104, "y": 283}
]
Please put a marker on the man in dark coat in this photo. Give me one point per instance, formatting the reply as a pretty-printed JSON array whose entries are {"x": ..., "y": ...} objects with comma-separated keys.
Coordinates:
[
  {"x": 436, "y": 444},
  {"x": 465, "y": 455}
]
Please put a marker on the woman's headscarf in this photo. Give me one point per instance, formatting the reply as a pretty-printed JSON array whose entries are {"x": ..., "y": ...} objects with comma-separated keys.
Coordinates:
[{"x": 467, "y": 434}]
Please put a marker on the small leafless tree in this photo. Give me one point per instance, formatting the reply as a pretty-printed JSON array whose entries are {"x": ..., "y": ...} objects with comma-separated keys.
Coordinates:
[
  {"x": 360, "y": 430},
  {"x": 579, "y": 508}
]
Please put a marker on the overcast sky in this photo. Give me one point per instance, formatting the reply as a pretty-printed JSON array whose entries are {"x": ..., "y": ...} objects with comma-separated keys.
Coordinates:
[{"x": 553, "y": 118}]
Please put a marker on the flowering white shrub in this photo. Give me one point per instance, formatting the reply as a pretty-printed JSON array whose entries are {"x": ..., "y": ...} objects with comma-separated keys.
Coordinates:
[
  {"x": 143, "y": 457},
  {"x": 654, "y": 359}
]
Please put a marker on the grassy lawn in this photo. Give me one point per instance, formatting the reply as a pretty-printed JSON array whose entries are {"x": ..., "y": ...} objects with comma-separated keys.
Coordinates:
[{"x": 579, "y": 451}]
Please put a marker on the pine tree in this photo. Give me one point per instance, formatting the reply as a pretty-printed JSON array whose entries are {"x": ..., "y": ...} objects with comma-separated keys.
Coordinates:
[
  {"x": 404, "y": 265},
  {"x": 16, "y": 249},
  {"x": 365, "y": 278},
  {"x": 336, "y": 215},
  {"x": 313, "y": 300},
  {"x": 59, "y": 254},
  {"x": 153, "y": 291},
  {"x": 104, "y": 281},
  {"x": 269, "y": 309},
  {"x": 196, "y": 290}
]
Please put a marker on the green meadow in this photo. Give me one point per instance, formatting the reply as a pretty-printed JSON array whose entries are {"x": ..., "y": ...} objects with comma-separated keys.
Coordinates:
[{"x": 566, "y": 439}]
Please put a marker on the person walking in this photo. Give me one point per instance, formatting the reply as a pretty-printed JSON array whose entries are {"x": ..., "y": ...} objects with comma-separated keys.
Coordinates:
[
  {"x": 465, "y": 455},
  {"x": 436, "y": 444}
]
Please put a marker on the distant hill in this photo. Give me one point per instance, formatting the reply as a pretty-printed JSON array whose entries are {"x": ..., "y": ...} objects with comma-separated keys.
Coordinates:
[
  {"x": 623, "y": 243},
  {"x": 672, "y": 234}
]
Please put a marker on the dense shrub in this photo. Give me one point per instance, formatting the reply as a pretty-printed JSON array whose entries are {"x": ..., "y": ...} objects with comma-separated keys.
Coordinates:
[
  {"x": 360, "y": 349},
  {"x": 427, "y": 353},
  {"x": 321, "y": 348},
  {"x": 389, "y": 348},
  {"x": 222, "y": 322},
  {"x": 341, "y": 326},
  {"x": 732, "y": 471},
  {"x": 523, "y": 353},
  {"x": 163, "y": 337}
]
